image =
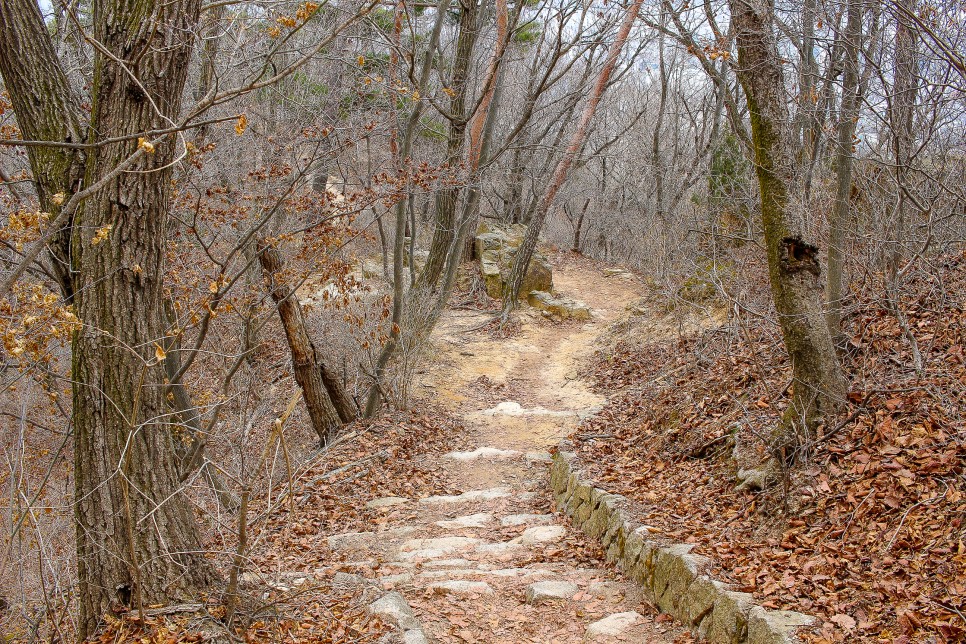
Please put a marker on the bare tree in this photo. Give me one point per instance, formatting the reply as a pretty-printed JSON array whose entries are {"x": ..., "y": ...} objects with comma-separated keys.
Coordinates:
[{"x": 818, "y": 384}]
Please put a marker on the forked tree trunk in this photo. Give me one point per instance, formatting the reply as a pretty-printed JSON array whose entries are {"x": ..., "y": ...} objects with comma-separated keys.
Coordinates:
[
  {"x": 328, "y": 404},
  {"x": 137, "y": 538},
  {"x": 793, "y": 263}
]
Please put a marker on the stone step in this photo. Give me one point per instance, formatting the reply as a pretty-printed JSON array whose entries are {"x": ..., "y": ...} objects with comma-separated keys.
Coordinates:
[
  {"x": 467, "y": 497},
  {"x": 618, "y": 627},
  {"x": 461, "y": 588},
  {"x": 492, "y": 453},
  {"x": 544, "y": 592},
  {"x": 469, "y": 521},
  {"x": 526, "y": 519}
]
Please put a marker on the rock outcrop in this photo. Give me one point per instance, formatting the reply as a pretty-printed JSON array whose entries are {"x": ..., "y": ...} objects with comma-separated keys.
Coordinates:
[
  {"x": 560, "y": 307},
  {"x": 496, "y": 247}
]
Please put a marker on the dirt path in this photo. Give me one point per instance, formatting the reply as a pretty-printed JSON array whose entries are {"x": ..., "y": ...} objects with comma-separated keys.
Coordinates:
[{"x": 495, "y": 565}]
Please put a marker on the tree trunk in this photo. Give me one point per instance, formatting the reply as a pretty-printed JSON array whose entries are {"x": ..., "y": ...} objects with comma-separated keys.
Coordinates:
[
  {"x": 137, "y": 539},
  {"x": 400, "y": 153},
  {"x": 328, "y": 408},
  {"x": 838, "y": 222},
  {"x": 46, "y": 110},
  {"x": 794, "y": 272},
  {"x": 447, "y": 198}
]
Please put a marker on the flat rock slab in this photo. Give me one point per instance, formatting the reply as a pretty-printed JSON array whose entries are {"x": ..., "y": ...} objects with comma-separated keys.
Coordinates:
[
  {"x": 550, "y": 591},
  {"x": 483, "y": 452},
  {"x": 415, "y": 637},
  {"x": 448, "y": 563},
  {"x": 423, "y": 554},
  {"x": 461, "y": 588},
  {"x": 511, "y": 408},
  {"x": 444, "y": 545},
  {"x": 457, "y": 573},
  {"x": 501, "y": 550},
  {"x": 612, "y": 627},
  {"x": 543, "y": 534},
  {"x": 470, "y": 521},
  {"x": 533, "y": 458},
  {"x": 467, "y": 497},
  {"x": 386, "y": 502},
  {"x": 391, "y": 581},
  {"x": 526, "y": 519}
]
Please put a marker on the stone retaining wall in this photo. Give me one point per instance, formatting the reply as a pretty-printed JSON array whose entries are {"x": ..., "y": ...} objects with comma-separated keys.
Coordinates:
[{"x": 673, "y": 578}]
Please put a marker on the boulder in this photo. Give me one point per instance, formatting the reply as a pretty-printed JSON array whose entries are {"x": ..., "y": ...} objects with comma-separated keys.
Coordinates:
[
  {"x": 496, "y": 248},
  {"x": 561, "y": 307}
]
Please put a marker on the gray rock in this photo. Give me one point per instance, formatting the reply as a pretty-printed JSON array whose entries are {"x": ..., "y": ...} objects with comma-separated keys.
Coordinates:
[
  {"x": 394, "y": 607},
  {"x": 467, "y": 497},
  {"x": 775, "y": 626},
  {"x": 448, "y": 563},
  {"x": 500, "y": 550},
  {"x": 752, "y": 479},
  {"x": 560, "y": 307},
  {"x": 445, "y": 545},
  {"x": 526, "y": 519},
  {"x": 675, "y": 569},
  {"x": 469, "y": 521},
  {"x": 415, "y": 636},
  {"x": 497, "y": 249},
  {"x": 543, "y": 592},
  {"x": 612, "y": 626},
  {"x": 419, "y": 555},
  {"x": 396, "y": 580},
  {"x": 483, "y": 453},
  {"x": 534, "y": 458},
  {"x": 728, "y": 621},
  {"x": 699, "y": 599},
  {"x": 543, "y": 534},
  {"x": 606, "y": 590},
  {"x": 461, "y": 588}
]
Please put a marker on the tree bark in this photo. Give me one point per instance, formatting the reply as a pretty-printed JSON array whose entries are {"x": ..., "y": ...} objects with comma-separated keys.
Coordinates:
[
  {"x": 818, "y": 385},
  {"x": 46, "y": 110},
  {"x": 838, "y": 222},
  {"x": 328, "y": 404},
  {"x": 137, "y": 539},
  {"x": 446, "y": 199}
]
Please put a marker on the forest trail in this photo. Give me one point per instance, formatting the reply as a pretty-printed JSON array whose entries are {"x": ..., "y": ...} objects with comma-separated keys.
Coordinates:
[{"x": 494, "y": 565}]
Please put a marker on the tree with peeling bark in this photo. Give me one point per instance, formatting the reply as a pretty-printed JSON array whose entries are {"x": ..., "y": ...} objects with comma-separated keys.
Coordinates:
[{"x": 521, "y": 261}]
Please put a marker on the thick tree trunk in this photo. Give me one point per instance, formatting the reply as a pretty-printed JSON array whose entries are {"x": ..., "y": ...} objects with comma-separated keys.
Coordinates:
[
  {"x": 848, "y": 116},
  {"x": 793, "y": 262},
  {"x": 328, "y": 404},
  {"x": 137, "y": 539},
  {"x": 46, "y": 110},
  {"x": 447, "y": 199}
]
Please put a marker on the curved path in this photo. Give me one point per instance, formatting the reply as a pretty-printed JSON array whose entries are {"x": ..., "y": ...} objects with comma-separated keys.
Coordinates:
[{"x": 495, "y": 565}]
